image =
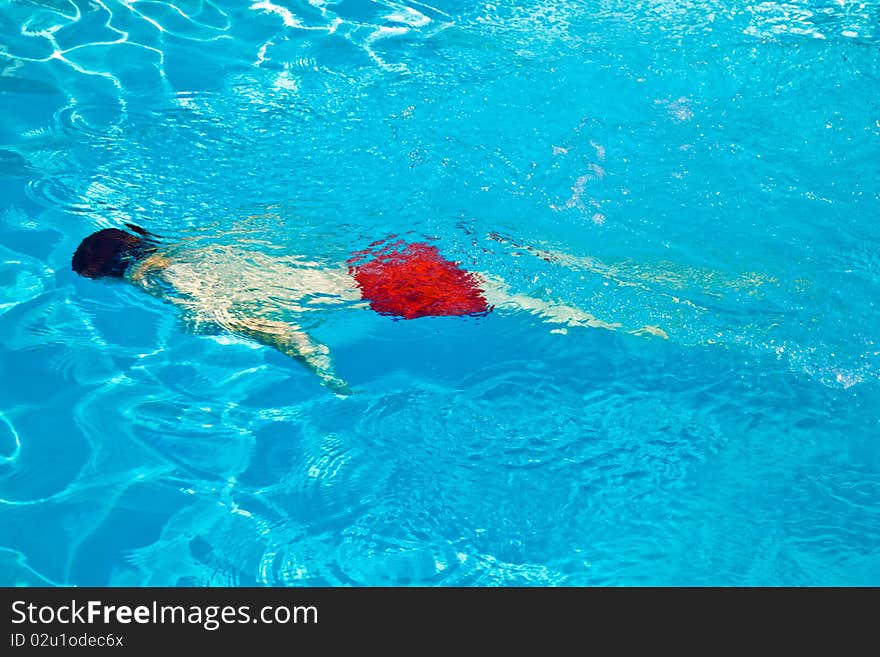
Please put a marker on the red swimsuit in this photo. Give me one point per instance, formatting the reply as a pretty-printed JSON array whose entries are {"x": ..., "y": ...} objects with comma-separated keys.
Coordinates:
[{"x": 414, "y": 280}]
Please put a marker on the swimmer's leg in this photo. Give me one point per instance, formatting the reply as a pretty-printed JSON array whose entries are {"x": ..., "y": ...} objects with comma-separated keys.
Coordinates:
[{"x": 498, "y": 294}]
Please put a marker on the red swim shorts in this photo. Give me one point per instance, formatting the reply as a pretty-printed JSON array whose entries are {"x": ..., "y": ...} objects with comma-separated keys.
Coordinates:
[{"x": 414, "y": 280}]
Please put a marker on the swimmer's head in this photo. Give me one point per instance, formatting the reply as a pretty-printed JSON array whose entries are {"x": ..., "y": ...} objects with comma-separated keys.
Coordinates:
[{"x": 110, "y": 252}]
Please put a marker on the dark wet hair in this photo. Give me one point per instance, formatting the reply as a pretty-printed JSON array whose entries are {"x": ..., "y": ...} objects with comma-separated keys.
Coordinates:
[{"x": 110, "y": 252}]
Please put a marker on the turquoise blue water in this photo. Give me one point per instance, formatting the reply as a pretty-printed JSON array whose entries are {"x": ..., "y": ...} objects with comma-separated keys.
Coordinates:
[{"x": 707, "y": 169}]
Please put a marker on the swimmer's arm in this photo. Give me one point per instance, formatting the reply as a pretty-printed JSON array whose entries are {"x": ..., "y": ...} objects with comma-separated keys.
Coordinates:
[{"x": 291, "y": 342}]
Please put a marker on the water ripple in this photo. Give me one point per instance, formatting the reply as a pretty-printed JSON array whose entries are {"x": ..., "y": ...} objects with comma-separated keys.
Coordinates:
[
  {"x": 22, "y": 279},
  {"x": 501, "y": 451}
]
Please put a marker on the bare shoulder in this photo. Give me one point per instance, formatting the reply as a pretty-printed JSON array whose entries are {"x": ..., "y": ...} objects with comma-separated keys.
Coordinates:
[{"x": 152, "y": 263}]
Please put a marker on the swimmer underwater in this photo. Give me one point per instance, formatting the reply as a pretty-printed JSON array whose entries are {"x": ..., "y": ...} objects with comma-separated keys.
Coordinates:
[{"x": 222, "y": 289}]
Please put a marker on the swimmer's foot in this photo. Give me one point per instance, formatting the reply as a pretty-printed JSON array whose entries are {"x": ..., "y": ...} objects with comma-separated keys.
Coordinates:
[{"x": 648, "y": 330}]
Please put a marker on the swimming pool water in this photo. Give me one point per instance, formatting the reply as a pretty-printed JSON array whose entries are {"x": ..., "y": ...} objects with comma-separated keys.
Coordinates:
[{"x": 708, "y": 168}]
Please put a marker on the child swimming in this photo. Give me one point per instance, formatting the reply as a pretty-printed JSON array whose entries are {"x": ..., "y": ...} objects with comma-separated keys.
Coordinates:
[{"x": 227, "y": 288}]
